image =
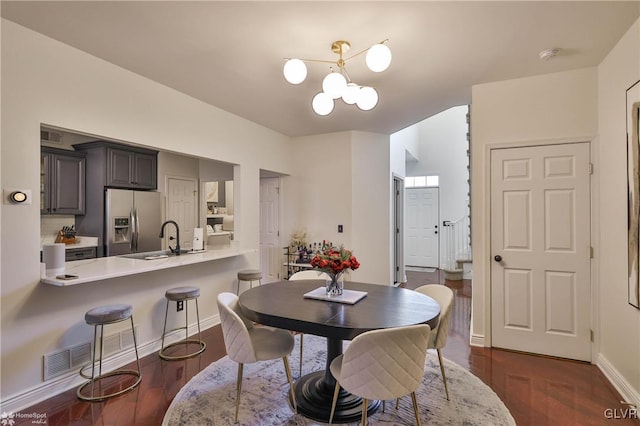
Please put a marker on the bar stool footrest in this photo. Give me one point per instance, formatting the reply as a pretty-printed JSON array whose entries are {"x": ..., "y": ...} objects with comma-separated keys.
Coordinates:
[
  {"x": 134, "y": 373},
  {"x": 202, "y": 345}
]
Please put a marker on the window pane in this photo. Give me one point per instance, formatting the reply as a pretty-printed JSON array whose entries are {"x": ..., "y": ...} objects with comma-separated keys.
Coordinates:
[
  {"x": 421, "y": 181},
  {"x": 408, "y": 182},
  {"x": 433, "y": 181}
]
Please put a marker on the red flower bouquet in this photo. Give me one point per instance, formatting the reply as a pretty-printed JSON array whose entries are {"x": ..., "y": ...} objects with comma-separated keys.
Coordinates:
[{"x": 334, "y": 261}]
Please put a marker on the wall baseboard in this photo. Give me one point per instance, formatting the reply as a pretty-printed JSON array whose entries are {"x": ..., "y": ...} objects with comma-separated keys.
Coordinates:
[
  {"x": 628, "y": 393},
  {"x": 46, "y": 390},
  {"x": 477, "y": 340}
]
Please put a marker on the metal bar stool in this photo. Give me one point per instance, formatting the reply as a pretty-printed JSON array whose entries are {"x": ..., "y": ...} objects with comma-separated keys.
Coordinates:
[
  {"x": 249, "y": 275},
  {"x": 99, "y": 317},
  {"x": 184, "y": 294}
]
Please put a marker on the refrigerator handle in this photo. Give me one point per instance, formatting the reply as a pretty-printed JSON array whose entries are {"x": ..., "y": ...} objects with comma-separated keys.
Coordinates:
[
  {"x": 132, "y": 231},
  {"x": 135, "y": 212}
]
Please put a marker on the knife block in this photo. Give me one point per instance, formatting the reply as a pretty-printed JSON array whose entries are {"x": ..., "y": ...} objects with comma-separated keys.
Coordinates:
[{"x": 60, "y": 238}]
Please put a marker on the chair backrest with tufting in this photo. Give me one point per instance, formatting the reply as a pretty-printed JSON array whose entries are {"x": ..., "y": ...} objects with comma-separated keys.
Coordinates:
[
  {"x": 309, "y": 274},
  {"x": 235, "y": 329},
  {"x": 385, "y": 364},
  {"x": 444, "y": 296}
]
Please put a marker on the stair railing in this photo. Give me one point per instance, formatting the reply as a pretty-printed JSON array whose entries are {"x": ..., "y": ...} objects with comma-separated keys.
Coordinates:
[{"x": 456, "y": 240}]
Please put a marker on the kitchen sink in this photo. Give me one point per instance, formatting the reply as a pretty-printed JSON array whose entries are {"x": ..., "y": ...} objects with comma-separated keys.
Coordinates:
[{"x": 152, "y": 255}]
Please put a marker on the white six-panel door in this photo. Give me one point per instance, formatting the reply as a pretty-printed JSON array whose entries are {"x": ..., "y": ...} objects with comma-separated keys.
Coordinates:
[
  {"x": 421, "y": 227},
  {"x": 540, "y": 248},
  {"x": 182, "y": 197},
  {"x": 270, "y": 250}
]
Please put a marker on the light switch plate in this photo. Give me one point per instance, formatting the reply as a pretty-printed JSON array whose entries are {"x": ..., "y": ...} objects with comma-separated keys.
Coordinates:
[{"x": 6, "y": 196}]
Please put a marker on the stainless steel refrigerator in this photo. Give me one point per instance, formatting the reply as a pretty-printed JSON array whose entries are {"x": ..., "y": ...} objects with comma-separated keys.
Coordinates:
[{"x": 132, "y": 221}]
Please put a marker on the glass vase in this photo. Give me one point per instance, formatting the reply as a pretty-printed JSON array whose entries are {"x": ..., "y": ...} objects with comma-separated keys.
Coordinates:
[{"x": 335, "y": 284}]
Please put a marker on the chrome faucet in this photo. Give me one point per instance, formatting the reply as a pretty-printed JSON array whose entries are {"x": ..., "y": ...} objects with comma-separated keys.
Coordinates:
[{"x": 177, "y": 249}]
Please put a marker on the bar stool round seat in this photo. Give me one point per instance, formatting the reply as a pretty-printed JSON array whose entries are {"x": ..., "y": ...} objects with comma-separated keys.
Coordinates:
[
  {"x": 249, "y": 275},
  {"x": 99, "y": 317},
  {"x": 108, "y": 314},
  {"x": 182, "y": 294}
]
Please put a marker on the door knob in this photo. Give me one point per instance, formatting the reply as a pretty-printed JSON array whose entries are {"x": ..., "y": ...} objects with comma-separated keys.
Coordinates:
[{"x": 497, "y": 258}]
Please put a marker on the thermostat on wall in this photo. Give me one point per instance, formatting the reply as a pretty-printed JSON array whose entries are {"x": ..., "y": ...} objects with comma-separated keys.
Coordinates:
[{"x": 17, "y": 196}]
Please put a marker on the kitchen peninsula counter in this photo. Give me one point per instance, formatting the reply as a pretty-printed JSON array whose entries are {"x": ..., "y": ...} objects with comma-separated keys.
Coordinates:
[{"x": 104, "y": 268}]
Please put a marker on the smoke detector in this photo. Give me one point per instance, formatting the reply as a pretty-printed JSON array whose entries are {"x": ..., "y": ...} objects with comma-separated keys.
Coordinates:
[{"x": 547, "y": 54}]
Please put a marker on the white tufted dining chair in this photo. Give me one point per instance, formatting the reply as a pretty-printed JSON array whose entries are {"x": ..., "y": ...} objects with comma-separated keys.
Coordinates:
[
  {"x": 382, "y": 364},
  {"x": 248, "y": 344},
  {"x": 444, "y": 296},
  {"x": 308, "y": 274}
]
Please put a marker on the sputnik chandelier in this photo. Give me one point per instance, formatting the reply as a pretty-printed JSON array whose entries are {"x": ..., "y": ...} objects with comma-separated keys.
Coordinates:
[{"x": 337, "y": 84}]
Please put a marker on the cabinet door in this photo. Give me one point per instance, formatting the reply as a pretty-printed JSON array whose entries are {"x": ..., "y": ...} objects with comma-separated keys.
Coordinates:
[
  {"x": 45, "y": 183},
  {"x": 68, "y": 185},
  {"x": 119, "y": 168},
  {"x": 145, "y": 174}
]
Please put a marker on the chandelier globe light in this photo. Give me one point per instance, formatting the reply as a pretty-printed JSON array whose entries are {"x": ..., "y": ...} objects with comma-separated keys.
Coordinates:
[
  {"x": 378, "y": 57},
  {"x": 350, "y": 94},
  {"x": 367, "y": 98},
  {"x": 322, "y": 104},
  {"x": 295, "y": 71},
  {"x": 338, "y": 84},
  {"x": 334, "y": 84}
]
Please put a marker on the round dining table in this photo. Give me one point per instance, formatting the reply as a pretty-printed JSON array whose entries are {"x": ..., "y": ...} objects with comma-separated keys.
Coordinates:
[{"x": 283, "y": 304}]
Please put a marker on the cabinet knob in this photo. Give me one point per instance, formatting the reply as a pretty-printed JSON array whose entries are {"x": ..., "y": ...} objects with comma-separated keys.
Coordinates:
[{"x": 497, "y": 258}]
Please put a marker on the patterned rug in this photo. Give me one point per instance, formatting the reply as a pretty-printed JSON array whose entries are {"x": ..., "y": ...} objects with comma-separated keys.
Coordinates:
[{"x": 209, "y": 397}]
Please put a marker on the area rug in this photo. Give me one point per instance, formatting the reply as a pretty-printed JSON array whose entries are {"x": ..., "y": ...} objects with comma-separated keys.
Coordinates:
[{"x": 209, "y": 397}]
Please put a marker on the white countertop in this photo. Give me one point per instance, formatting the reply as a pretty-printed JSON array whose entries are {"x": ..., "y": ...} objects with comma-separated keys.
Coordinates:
[
  {"x": 82, "y": 242},
  {"x": 103, "y": 268},
  {"x": 213, "y": 234}
]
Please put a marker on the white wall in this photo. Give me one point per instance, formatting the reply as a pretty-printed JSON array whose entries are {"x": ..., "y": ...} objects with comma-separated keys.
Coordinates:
[
  {"x": 319, "y": 190},
  {"x": 345, "y": 180},
  {"x": 79, "y": 92},
  {"x": 586, "y": 105},
  {"x": 371, "y": 207},
  {"x": 442, "y": 151},
  {"x": 404, "y": 143},
  {"x": 619, "y": 322},
  {"x": 542, "y": 108}
]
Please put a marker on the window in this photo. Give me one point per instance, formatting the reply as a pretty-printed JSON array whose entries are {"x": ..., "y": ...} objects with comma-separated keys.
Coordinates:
[{"x": 421, "y": 181}]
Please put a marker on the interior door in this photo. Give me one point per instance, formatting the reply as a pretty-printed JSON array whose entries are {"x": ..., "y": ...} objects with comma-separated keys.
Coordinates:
[
  {"x": 422, "y": 242},
  {"x": 398, "y": 231},
  {"x": 182, "y": 196},
  {"x": 270, "y": 250},
  {"x": 540, "y": 244}
]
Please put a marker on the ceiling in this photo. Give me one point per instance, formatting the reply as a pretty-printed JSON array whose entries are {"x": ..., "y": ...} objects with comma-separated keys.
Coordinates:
[{"x": 230, "y": 54}]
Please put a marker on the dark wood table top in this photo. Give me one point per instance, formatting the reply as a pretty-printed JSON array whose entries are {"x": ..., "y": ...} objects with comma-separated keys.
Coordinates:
[{"x": 282, "y": 304}]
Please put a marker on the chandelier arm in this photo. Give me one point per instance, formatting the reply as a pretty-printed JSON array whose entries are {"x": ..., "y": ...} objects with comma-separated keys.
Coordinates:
[
  {"x": 314, "y": 60},
  {"x": 364, "y": 50},
  {"x": 344, "y": 70}
]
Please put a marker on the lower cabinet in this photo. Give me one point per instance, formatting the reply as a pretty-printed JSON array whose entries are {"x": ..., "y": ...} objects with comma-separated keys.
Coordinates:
[{"x": 80, "y": 253}]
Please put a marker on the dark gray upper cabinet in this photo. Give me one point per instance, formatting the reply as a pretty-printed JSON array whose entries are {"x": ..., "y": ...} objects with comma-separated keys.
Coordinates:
[
  {"x": 62, "y": 182},
  {"x": 113, "y": 165},
  {"x": 123, "y": 166},
  {"x": 131, "y": 169}
]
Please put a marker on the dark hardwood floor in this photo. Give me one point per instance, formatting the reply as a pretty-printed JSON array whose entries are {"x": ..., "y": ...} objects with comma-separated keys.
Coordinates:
[{"x": 537, "y": 390}]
